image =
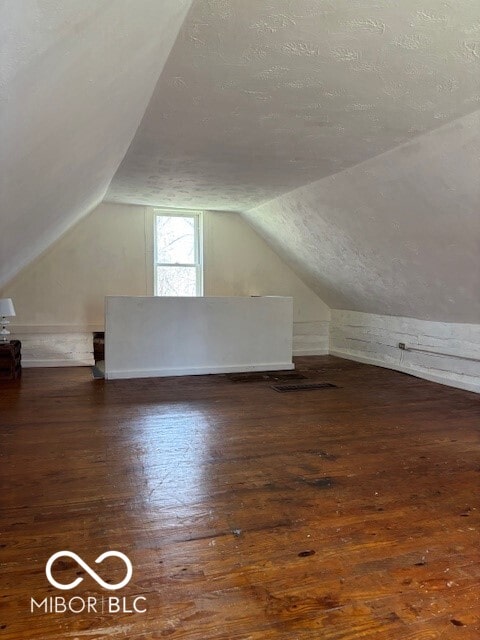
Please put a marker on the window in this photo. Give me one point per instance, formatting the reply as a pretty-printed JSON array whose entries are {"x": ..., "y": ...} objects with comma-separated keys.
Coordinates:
[{"x": 178, "y": 255}]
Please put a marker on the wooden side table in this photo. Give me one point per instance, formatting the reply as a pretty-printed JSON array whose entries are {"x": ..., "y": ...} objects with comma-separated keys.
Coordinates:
[{"x": 10, "y": 360}]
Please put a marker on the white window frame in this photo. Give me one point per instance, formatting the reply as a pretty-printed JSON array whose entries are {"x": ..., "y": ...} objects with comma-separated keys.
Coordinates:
[{"x": 198, "y": 237}]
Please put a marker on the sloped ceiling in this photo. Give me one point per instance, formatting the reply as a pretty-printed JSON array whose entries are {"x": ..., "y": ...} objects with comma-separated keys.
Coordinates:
[
  {"x": 397, "y": 235},
  {"x": 261, "y": 97},
  {"x": 75, "y": 79},
  {"x": 257, "y": 99}
]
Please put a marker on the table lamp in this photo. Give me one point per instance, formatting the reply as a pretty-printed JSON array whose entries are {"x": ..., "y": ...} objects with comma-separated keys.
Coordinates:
[{"x": 6, "y": 310}]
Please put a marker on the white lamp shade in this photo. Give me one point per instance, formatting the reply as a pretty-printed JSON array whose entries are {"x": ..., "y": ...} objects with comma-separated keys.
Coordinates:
[{"x": 6, "y": 307}]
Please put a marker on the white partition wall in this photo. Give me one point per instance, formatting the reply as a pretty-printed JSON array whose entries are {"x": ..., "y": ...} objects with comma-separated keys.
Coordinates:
[{"x": 148, "y": 337}]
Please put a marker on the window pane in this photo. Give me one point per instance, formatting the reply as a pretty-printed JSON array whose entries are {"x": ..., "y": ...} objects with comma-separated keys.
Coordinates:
[
  {"x": 176, "y": 281},
  {"x": 175, "y": 239}
]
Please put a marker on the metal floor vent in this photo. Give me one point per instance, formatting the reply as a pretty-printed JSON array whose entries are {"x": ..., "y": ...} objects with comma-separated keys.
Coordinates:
[
  {"x": 307, "y": 386},
  {"x": 262, "y": 376}
]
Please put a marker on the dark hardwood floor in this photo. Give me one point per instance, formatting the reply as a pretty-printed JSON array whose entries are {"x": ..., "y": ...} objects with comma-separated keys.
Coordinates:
[{"x": 247, "y": 514}]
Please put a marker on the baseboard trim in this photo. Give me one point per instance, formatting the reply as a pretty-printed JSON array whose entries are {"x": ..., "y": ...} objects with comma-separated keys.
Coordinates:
[
  {"x": 47, "y": 329},
  {"x": 31, "y": 364},
  {"x": 196, "y": 371},
  {"x": 311, "y": 352},
  {"x": 425, "y": 375}
]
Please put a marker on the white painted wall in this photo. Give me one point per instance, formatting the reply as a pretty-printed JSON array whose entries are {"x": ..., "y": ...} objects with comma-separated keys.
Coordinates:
[
  {"x": 152, "y": 337},
  {"x": 238, "y": 262},
  {"x": 104, "y": 254},
  {"x": 57, "y": 348},
  {"x": 110, "y": 252},
  {"x": 374, "y": 339},
  {"x": 60, "y": 297}
]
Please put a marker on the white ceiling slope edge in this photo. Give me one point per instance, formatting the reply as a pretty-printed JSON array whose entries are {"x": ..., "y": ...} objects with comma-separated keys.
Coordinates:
[
  {"x": 75, "y": 79},
  {"x": 396, "y": 235},
  {"x": 261, "y": 97}
]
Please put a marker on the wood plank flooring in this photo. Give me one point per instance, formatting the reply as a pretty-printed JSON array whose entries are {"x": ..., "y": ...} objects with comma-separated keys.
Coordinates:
[{"x": 247, "y": 514}]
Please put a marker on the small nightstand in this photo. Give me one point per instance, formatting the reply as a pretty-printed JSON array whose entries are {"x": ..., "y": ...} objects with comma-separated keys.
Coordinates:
[{"x": 10, "y": 360}]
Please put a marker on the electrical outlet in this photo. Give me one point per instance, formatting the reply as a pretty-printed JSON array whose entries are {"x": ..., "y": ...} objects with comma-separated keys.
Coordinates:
[{"x": 402, "y": 345}]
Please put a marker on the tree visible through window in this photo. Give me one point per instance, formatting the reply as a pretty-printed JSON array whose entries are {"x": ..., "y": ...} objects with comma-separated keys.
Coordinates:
[{"x": 178, "y": 268}]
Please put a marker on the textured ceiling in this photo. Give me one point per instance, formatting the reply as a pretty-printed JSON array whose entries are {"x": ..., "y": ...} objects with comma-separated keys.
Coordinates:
[
  {"x": 260, "y": 97},
  {"x": 397, "y": 235},
  {"x": 333, "y": 112},
  {"x": 75, "y": 79}
]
